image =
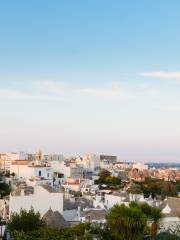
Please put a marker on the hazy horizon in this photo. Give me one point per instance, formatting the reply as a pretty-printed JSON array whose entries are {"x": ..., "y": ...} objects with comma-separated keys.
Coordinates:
[{"x": 91, "y": 77}]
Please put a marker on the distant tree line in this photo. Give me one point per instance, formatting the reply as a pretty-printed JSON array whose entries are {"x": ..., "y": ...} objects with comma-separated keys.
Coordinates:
[
  {"x": 159, "y": 187},
  {"x": 151, "y": 186}
]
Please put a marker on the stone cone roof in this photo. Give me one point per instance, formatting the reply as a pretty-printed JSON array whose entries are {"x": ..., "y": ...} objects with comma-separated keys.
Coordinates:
[
  {"x": 171, "y": 207},
  {"x": 55, "y": 220},
  {"x": 48, "y": 214}
]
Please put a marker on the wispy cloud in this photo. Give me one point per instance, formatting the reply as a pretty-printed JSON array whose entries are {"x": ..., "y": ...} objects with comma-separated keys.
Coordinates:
[
  {"x": 168, "y": 107},
  {"x": 51, "y": 90},
  {"x": 104, "y": 92},
  {"x": 61, "y": 88},
  {"x": 9, "y": 93},
  {"x": 161, "y": 74},
  {"x": 50, "y": 86}
]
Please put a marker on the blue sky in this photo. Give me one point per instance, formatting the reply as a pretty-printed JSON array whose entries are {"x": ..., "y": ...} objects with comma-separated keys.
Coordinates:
[{"x": 91, "y": 76}]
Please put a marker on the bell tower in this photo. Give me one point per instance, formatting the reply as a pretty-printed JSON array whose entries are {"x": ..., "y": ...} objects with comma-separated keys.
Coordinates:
[{"x": 38, "y": 157}]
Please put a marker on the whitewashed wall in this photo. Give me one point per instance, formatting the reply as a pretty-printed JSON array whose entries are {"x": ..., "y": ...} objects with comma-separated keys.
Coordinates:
[{"x": 41, "y": 201}]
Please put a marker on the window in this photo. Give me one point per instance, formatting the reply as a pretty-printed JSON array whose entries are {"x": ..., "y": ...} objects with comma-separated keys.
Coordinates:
[{"x": 39, "y": 173}]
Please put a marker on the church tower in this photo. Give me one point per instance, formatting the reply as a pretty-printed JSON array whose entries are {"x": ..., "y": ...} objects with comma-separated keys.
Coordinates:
[{"x": 38, "y": 157}]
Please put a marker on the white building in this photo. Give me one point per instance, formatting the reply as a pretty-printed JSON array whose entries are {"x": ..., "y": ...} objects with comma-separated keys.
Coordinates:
[
  {"x": 93, "y": 215},
  {"x": 53, "y": 157},
  {"x": 7, "y": 158},
  {"x": 171, "y": 213},
  {"x": 89, "y": 161},
  {"x": 72, "y": 185},
  {"x": 140, "y": 166},
  {"x": 30, "y": 171},
  {"x": 122, "y": 165},
  {"x": 116, "y": 198},
  {"x": 43, "y": 198},
  {"x": 71, "y": 170}
]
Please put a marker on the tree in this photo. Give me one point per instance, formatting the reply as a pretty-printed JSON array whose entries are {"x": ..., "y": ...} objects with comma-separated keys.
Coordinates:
[
  {"x": 146, "y": 209},
  {"x": 4, "y": 189},
  {"x": 126, "y": 222},
  {"x": 78, "y": 232},
  {"x": 13, "y": 174},
  {"x": 101, "y": 232},
  {"x": 110, "y": 182},
  {"x": 25, "y": 221},
  {"x": 156, "y": 187},
  {"x": 155, "y": 216},
  {"x": 168, "y": 189},
  {"x": 103, "y": 174},
  {"x": 134, "y": 189}
]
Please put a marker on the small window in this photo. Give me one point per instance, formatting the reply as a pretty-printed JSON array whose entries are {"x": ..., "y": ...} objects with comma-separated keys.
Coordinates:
[{"x": 40, "y": 173}]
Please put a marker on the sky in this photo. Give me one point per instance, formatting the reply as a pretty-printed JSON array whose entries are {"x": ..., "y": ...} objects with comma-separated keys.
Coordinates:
[{"x": 91, "y": 77}]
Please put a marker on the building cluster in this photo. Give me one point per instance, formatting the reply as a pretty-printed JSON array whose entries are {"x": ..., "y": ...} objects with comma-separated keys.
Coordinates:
[{"x": 64, "y": 189}]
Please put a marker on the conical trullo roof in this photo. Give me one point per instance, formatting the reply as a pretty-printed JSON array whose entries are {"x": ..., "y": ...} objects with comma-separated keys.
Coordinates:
[
  {"x": 55, "y": 220},
  {"x": 48, "y": 215}
]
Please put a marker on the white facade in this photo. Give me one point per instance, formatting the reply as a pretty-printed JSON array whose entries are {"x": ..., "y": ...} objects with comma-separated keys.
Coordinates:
[
  {"x": 98, "y": 202},
  {"x": 122, "y": 165},
  {"x": 72, "y": 170},
  {"x": 26, "y": 171},
  {"x": 15, "y": 156},
  {"x": 89, "y": 161},
  {"x": 42, "y": 200},
  {"x": 7, "y": 158},
  {"x": 140, "y": 166},
  {"x": 111, "y": 200},
  {"x": 60, "y": 167},
  {"x": 72, "y": 187},
  {"x": 54, "y": 157}
]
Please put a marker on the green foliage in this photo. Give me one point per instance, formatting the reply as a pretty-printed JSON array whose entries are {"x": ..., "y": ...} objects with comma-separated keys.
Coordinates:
[
  {"x": 25, "y": 221},
  {"x": 80, "y": 229},
  {"x": 101, "y": 232},
  {"x": 40, "y": 234},
  {"x": 126, "y": 222},
  {"x": 78, "y": 232},
  {"x": 123, "y": 222},
  {"x": 4, "y": 189},
  {"x": 13, "y": 174},
  {"x": 7, "y": 174},
  {"x": 135, "y": 189},
  {"x": 133, "y": 204},
  {"x": 168, "y": 189},
  {"x": 106, "y": 178},
  {"x": 29, "y": 226},
  {"x": 177, "y": 184},
  {"x": 77, "y": 194},
  {"x": 104, "y": 174},
  {"x": 154, "y": 215},
  {"x": 147, "y": 210},
  {"x": 160, "y": 187}
]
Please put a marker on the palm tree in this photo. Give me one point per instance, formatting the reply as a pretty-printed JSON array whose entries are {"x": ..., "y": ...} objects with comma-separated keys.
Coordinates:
[
  {"x": 126, "y": 222},
  {"x": 156, "y": 216}
]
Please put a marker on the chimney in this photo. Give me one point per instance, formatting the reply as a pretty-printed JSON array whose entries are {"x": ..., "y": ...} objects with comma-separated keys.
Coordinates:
[
  {"x": 79, "y": 212},
  {"x": 22, "y": 192}
]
